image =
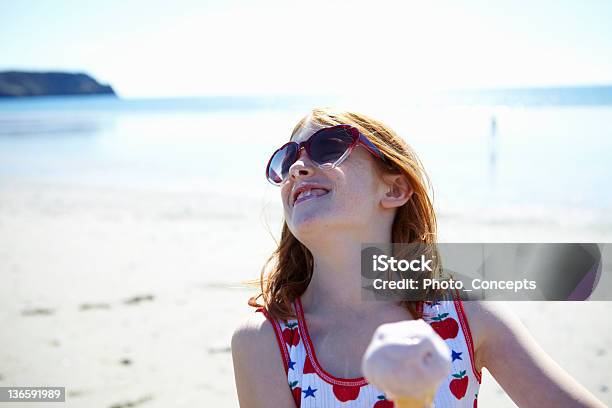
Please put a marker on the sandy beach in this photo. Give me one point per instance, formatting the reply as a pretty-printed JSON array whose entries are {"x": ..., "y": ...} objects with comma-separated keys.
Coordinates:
[
  {"x": 136, "y": 139},
  {"x": 129, "y": 297}
]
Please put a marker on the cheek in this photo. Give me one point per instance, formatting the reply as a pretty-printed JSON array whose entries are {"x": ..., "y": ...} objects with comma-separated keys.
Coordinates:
[
  {"x": 285, "y": 202},
  {"x": 284, "y": 194},
  {"x": 358, "y": 189}
]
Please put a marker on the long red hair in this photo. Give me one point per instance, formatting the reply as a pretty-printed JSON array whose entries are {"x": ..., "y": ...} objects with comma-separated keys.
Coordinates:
[{"x": 287, "y": 272}]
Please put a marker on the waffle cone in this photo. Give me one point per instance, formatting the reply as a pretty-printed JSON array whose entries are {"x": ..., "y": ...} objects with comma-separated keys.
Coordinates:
[{"x": 410, "y": 402}]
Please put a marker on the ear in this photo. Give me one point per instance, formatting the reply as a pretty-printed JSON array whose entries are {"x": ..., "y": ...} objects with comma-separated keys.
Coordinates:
[{"x": 397, "y": 190}]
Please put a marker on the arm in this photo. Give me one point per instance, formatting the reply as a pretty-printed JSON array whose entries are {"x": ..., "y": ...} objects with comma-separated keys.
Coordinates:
[
  {"x": 529, "y": 376},
  {"x": 258, "y": 366}
]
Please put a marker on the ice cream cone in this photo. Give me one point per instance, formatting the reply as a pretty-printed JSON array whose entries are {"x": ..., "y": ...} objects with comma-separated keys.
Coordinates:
[
  {"x": 407, "y": 361},
  {"x": 410, "y": 402}
]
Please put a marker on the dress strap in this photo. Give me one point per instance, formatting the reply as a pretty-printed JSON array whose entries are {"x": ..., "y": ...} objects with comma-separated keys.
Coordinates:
[
  {"x": 278, "y": 331},
  {"x": 467, "y": 334}
]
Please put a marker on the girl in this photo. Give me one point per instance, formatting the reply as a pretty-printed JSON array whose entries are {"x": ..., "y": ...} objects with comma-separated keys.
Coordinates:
[{"x": 347, "y": 179}]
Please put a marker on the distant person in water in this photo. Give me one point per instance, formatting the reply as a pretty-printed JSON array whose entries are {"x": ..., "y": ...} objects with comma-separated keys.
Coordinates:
[{"x": 347, "y": 179}]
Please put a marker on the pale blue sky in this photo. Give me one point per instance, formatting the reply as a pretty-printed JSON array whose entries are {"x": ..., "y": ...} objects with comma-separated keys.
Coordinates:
[{"x": 186, "y": 48}]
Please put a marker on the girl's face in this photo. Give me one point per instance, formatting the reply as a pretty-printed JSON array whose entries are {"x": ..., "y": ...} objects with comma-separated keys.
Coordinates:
[{"x": 346, "y": 197}]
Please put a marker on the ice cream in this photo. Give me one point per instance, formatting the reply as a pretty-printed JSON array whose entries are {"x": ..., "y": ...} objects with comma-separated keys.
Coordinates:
[{"x": 407, "y": 361}]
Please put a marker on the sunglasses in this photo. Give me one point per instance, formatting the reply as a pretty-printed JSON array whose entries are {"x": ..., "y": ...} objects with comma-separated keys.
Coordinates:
[{"x": 327, "y": 148}]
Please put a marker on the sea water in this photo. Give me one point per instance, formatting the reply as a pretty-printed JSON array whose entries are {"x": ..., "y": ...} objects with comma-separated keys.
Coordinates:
[{"x": 516, "y": 154}]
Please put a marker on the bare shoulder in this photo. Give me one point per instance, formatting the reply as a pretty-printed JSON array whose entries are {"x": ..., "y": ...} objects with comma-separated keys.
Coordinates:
[
  {"x": 254, "y": 332},
  {"x": 487, "y": 320},
  {"x": 254, "y": 344},
  {"x": 486, "y": 316},
  {"x": 258, "y": 365}
]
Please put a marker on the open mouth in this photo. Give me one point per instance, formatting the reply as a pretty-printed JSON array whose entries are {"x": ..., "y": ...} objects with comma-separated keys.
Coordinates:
[{"x": 309, "y": 194}]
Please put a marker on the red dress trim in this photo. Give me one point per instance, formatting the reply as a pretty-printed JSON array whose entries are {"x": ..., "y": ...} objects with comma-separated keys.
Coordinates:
[
  {"x": 279, "y": 338},
  {"x": 419, "y": 309},
  {"x": 310, "y": 354},
  {"x": 466, "y": 332}
]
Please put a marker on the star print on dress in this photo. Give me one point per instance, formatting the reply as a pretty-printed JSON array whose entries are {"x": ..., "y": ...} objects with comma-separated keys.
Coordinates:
[
  {"x": 290, "y": 364},
  {"x": 456, "y": 356},
  {"x": 310, "y": 392},
  {"x": 311, "y": 386}
]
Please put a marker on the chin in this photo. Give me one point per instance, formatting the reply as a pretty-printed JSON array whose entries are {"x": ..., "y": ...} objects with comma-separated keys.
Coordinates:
[
  {"x": 305, "y": 225},
  {"x": 311, "y": 221}
]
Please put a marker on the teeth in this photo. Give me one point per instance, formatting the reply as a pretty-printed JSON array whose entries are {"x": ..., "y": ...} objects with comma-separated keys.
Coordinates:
[
  {"x": 311, "y": 192},
  {"x": 303, "y": 194}
]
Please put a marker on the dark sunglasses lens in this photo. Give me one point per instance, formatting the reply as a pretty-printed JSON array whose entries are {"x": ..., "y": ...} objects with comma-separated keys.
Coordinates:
[
  {"x": 280, "y": 163},
  {"x": 328, "y": 146}
]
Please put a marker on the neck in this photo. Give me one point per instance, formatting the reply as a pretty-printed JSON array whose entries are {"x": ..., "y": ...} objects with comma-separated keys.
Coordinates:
[{"x": 336, "y": 279}]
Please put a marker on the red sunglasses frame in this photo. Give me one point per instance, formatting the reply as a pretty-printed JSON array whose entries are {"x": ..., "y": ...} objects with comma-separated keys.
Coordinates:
[{"x": 358, "y": 138}]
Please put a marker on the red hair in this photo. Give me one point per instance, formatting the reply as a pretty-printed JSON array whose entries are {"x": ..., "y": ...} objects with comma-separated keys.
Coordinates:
[{"x": 287, "y": 272}]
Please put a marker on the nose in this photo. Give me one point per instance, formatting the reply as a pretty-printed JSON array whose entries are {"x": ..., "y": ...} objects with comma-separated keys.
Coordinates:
[{"x": 302, "y": 167}]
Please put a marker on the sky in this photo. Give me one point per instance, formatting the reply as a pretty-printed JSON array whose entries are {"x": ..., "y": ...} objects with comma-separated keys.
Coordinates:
[{"x": 236, "y": 47}]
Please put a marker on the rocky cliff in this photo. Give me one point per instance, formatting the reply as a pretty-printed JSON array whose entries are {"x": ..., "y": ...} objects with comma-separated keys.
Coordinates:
[{"x": 19, "y": 83}]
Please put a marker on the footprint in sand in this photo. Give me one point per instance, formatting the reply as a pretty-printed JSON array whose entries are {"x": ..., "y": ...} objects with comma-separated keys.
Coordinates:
[
  {"x": 77, "y": 393},
  {"x": 215, "y": 350},
  {"x": 138, "y": 299},
  {"x": 40, "y": 311},
  {"x": 92, "y": 306},
  {"x": 130, "y": 404}
]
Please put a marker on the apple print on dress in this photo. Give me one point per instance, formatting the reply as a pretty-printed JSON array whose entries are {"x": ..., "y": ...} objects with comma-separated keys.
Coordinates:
[
  {"x": 458, "y": 386},
  {"x": 346, "y": 392},
  {"x": 297, "y": 392},
  {"x": 307, "y": 382},
  {"x": 291, "y": 334},
  {"x": 383, "y": 402},
  {"x": 446, "y": 327}
]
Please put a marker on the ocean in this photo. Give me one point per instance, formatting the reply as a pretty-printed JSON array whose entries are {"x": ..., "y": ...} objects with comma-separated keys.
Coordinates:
[{"x": 516, "y": 154}]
